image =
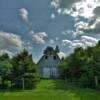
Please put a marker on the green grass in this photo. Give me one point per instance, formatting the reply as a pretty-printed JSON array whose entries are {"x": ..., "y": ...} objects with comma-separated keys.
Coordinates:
[{"x": 52, "y": 90}]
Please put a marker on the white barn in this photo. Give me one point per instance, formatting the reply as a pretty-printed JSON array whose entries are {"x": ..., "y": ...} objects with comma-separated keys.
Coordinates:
[{"x": 48, "y": 64}]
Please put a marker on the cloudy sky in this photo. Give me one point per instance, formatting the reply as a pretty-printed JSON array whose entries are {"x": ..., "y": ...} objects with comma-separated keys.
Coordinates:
[{"x": 35, "y": 24}]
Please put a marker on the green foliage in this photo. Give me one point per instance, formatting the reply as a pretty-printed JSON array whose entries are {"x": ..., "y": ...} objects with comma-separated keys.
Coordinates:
[
  {"x": 5, "y": 70},
  {"x": 63, "y": 69},
  {"x": 83, "y": 66},
  {"x": 21, "y": 66},
  {"x": 24, "y": 67},
  {"x": 57, "y": 49}
]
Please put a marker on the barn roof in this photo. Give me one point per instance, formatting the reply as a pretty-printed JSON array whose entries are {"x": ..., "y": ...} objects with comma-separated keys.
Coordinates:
[{"x": 51, "y": 52}]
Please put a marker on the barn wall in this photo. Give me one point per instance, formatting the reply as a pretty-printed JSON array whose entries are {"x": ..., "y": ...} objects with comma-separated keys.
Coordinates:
[{"x": 50, "y": 62}]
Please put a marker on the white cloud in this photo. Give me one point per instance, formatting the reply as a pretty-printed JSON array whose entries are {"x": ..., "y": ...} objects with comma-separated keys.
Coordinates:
[
  {"x": 24, "y": 14},
  {"x": 28, "y": 46},
  {"x": 84, "y": 42},
  {"x": 63, "y": 3},
  {"x": 72, "y": 44},
  {"x": 55, "y": 3},
  {"x": 81, "y": 25},
  {"x": 89, "y": 41},
  {"x": 92, "y": 24},
  {"x": 79, "y": 7},
  {"x": 53, "y": 16},
  {"x": 40, "y": 37},
  {"x": 31, "y": 32},
  {"x": 8, "y": 40},
  {"x": 93, "y": 17},
  {"x": 87, "y": 9},
  {"x": 6, "y": 51},
  {"x": 71, "y": 33},
  {"x": 59, "y": 10},
  {"x": 51, "y": 41},
  {"x": 61, "y": 54},
  {"x": 57, "y": 38},
  {"x": 66, "y": 42},
  {"x": 95, "y": 24},
  {"x": 75, "y": 45}
]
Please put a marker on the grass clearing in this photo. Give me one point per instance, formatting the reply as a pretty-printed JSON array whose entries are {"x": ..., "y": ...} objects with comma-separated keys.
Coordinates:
[{"x": 51, "y": 90}]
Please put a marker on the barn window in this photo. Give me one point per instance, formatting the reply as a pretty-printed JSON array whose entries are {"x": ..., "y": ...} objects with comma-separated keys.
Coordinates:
[
  {"x": 54, "y": 57},
  {"x": 46, "y": 57}
]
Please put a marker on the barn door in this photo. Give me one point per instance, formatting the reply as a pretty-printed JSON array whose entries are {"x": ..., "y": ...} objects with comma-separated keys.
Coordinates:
[
  {"x": 54, "y": 72},
  {"x": 46, "y": 72}
]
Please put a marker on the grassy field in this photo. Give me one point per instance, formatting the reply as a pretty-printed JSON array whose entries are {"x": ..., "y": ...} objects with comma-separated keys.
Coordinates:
[{"x": 52, "y": 90}]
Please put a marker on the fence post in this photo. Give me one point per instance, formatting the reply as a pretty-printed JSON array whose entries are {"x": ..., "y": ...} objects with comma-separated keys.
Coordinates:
[
  {"x": 96, "y": 81},
  {"x": 23, "y": 83}
]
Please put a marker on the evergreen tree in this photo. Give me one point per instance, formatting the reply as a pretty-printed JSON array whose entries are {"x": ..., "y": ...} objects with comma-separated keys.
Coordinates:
[
  {"x": 24, "y": 69},
  {"x": 5, "y": 71}
]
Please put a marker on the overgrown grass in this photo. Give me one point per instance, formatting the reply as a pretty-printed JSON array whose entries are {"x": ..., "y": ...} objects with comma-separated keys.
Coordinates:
[{"x": 52, "y": 90}]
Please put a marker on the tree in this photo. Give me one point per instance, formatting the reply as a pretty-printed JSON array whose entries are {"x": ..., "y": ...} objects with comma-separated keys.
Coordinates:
[
  {"x": 24, "y": 68},
  {"x": 83, "y": 66},
  {"x": 57, "y": 49},
  {"x": 5, "y": 71}
]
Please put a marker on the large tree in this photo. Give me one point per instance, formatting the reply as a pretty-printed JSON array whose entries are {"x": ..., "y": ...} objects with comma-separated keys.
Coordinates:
[
  {"x": 25, "y": 71},
  {"x": 83, "y": 66}
]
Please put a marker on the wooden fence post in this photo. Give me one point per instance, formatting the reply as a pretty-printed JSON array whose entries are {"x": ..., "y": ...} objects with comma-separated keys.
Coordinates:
[
  {"x": 96, "y": 81},
  {"x": 23, "y": 83}
]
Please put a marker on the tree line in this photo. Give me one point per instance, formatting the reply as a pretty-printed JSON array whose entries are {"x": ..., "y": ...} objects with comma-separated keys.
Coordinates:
[
  {"x": 18, "y": 72},
  {"x": 82, "y": 67}
]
